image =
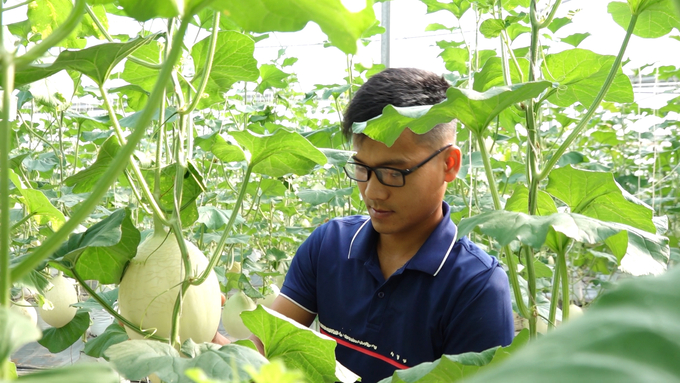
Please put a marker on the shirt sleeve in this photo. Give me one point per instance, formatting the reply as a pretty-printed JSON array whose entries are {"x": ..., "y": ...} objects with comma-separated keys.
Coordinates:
[
  {"x": 486, "y": 320},
  {"x": 300, "y": 283}
]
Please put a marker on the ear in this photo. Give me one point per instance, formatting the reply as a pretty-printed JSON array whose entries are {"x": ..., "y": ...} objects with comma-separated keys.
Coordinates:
[{"x": 453, "y": 162}]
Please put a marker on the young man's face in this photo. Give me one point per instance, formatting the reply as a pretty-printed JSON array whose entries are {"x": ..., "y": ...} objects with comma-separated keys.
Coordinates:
[{"x": 416, "y": 206}]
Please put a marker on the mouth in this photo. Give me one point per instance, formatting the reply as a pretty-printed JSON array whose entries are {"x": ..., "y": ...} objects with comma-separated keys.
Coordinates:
[{"x": 379, "y": 212}]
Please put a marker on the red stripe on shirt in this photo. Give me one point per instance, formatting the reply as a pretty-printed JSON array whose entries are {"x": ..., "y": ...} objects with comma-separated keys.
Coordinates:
[{"x": 365, "y": 351}]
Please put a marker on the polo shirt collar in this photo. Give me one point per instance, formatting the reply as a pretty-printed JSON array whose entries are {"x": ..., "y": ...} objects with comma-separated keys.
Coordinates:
[{"x": 431, "y": 256}]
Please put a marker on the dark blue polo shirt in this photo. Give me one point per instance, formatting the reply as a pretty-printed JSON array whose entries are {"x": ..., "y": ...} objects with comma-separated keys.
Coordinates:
[{"x": 450, "y": 298}]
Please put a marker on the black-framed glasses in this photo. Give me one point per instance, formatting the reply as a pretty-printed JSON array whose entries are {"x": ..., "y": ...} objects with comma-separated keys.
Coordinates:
[{"x": 386, "y": 175}]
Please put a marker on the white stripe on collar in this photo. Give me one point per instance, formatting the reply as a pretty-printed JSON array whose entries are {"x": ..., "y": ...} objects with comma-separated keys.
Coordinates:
[
  {"x": 455, "y": 234},
  {"x": 355, "y": 236}
]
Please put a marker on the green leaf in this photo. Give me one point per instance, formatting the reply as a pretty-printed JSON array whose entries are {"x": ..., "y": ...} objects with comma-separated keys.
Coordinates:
[
  {"x": 456, "y": 59},
  {"x": 656, "y": 18},
  {"x": 136, "y": 359},
  {"x": 103, "y": 250},
  {"x": 512, "y": 4},
  {"x": 214, "y": 218},
  {"x": 280, "y": 153},
  {"x": 515, "y": 30},
  {"x": 140, "y": 75},
  {"x": 192, "y": 188},
  {"x": 581, "y": 74},
  {"x": 597, "y": 195},
  {"x": 575, "y": 39},
  {"x": 79, "y": 373},
  {"x": 298, "y": 347},
  {"x": 91, "y": 304},
  {"x": 15, "y": 331},
  {"x": 96, "y": 62},
  {"x": 456, "y": 368},
  {"x": 342, "y": 27},
  {"x": 519, "y": 201},
  {"x": 456, "y": 7},
  {"x": 136, "y": 95},
  {"x": 630, "y": 334},
  {"x": 491, "y": 28},
  {"x": 233, "y": 62},
  {"x": 317, "y": 197},
  {"x": 272, "y": 77},
  {"x": 59, "y": 339},
  {"x": 113, "y": 334},
  {"x": 221, "y": 148},
  {"x": 475, "y": 110},
  {"x": 491, "y": 74},
  {"x": 437, "y": 27},
  {"x": 38, "y": 204},
  {"x": 276, "y": 372},
  {"x": 45, "y": 16},
  {"x": 645, "y": 253},
  {"x": 85, "y": 180},
  {"x": 145, "y": 10},
  {"x": 558, "y": 23},
  {"x": 89, "y": 27}
]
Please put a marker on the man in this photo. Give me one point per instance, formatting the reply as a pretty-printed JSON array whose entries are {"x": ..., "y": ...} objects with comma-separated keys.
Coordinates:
[{"x": 397, "y": 288}]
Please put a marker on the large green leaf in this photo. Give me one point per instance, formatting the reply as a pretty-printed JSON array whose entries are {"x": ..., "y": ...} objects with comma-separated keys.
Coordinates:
[
  {"x": 342, "y": 27},
  {"x": 191, "y": 189},
  {"x": 491, "y": 74},
  {"x": 642, "y": 252},
  {"x": 271, "y": 77},
  {"x": 59, "y": 339},
  {"x": 15, "y": 331},
  {"x": 47, "y": 15},
  {"x": 222, "y": 149},
  {"x": 597, "y": 195},
  {"x": 280, "y": 153},
  {"x": 475, "y": 110},
  {"x": 84, "y": 180},
  {"x": 137, "y": 359},
  {"x": 145, "y": 10},
  {"x": 140, "y": 75},
  {"x": 455, "y": 368},
  {"x": 79, "y": 373},
  {"x": 38, "y": 204},
  {"x": 656, "y": 17},
  {"x": 96, "y": 62},
  {"x": 233, "y": 62},
  {"x": 317, "y": 197},
  {"x": 581, "y": 74},
  {"x": 102, "y": 251},
  {"x": 297, "y": 346},
  {"x": 113, "y": 334},
  {"x": 518, "y": 201},
  {"x": 629, "y": 335},
  {"x": 456, "y": 7}
]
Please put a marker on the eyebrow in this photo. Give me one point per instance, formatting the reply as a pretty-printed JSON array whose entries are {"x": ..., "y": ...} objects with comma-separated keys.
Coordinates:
[{"x": 395, "y": 162}]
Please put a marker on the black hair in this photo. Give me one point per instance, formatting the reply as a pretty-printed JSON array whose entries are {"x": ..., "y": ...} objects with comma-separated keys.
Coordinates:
[{"x": 399, "y": 87}]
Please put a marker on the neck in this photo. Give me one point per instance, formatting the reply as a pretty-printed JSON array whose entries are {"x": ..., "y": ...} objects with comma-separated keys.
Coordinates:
[{"x": 394, "y": 250}]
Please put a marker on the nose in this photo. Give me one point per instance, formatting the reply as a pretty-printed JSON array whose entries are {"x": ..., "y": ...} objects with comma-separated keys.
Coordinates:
[{"x": 374, "y": 190}]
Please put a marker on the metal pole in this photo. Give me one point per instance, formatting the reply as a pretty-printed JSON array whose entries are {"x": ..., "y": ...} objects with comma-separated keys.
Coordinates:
[{"x": 385, "y": 38}]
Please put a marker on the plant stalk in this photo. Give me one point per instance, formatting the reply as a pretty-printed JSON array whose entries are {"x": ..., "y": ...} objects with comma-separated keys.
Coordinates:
[
  {"x": 554, "y": 292},
  {"x": 593, "y": 107},
  {"x": 118, "y": 165},
  {"x": 232, "y": 218},
  {"x": 111, "y": 310},
  {"x": 207, "y": 67},
  {"x": 512, "y": 267},
  {"x": 135, "y": 168},
  {"x": 5, "y": 139}
]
